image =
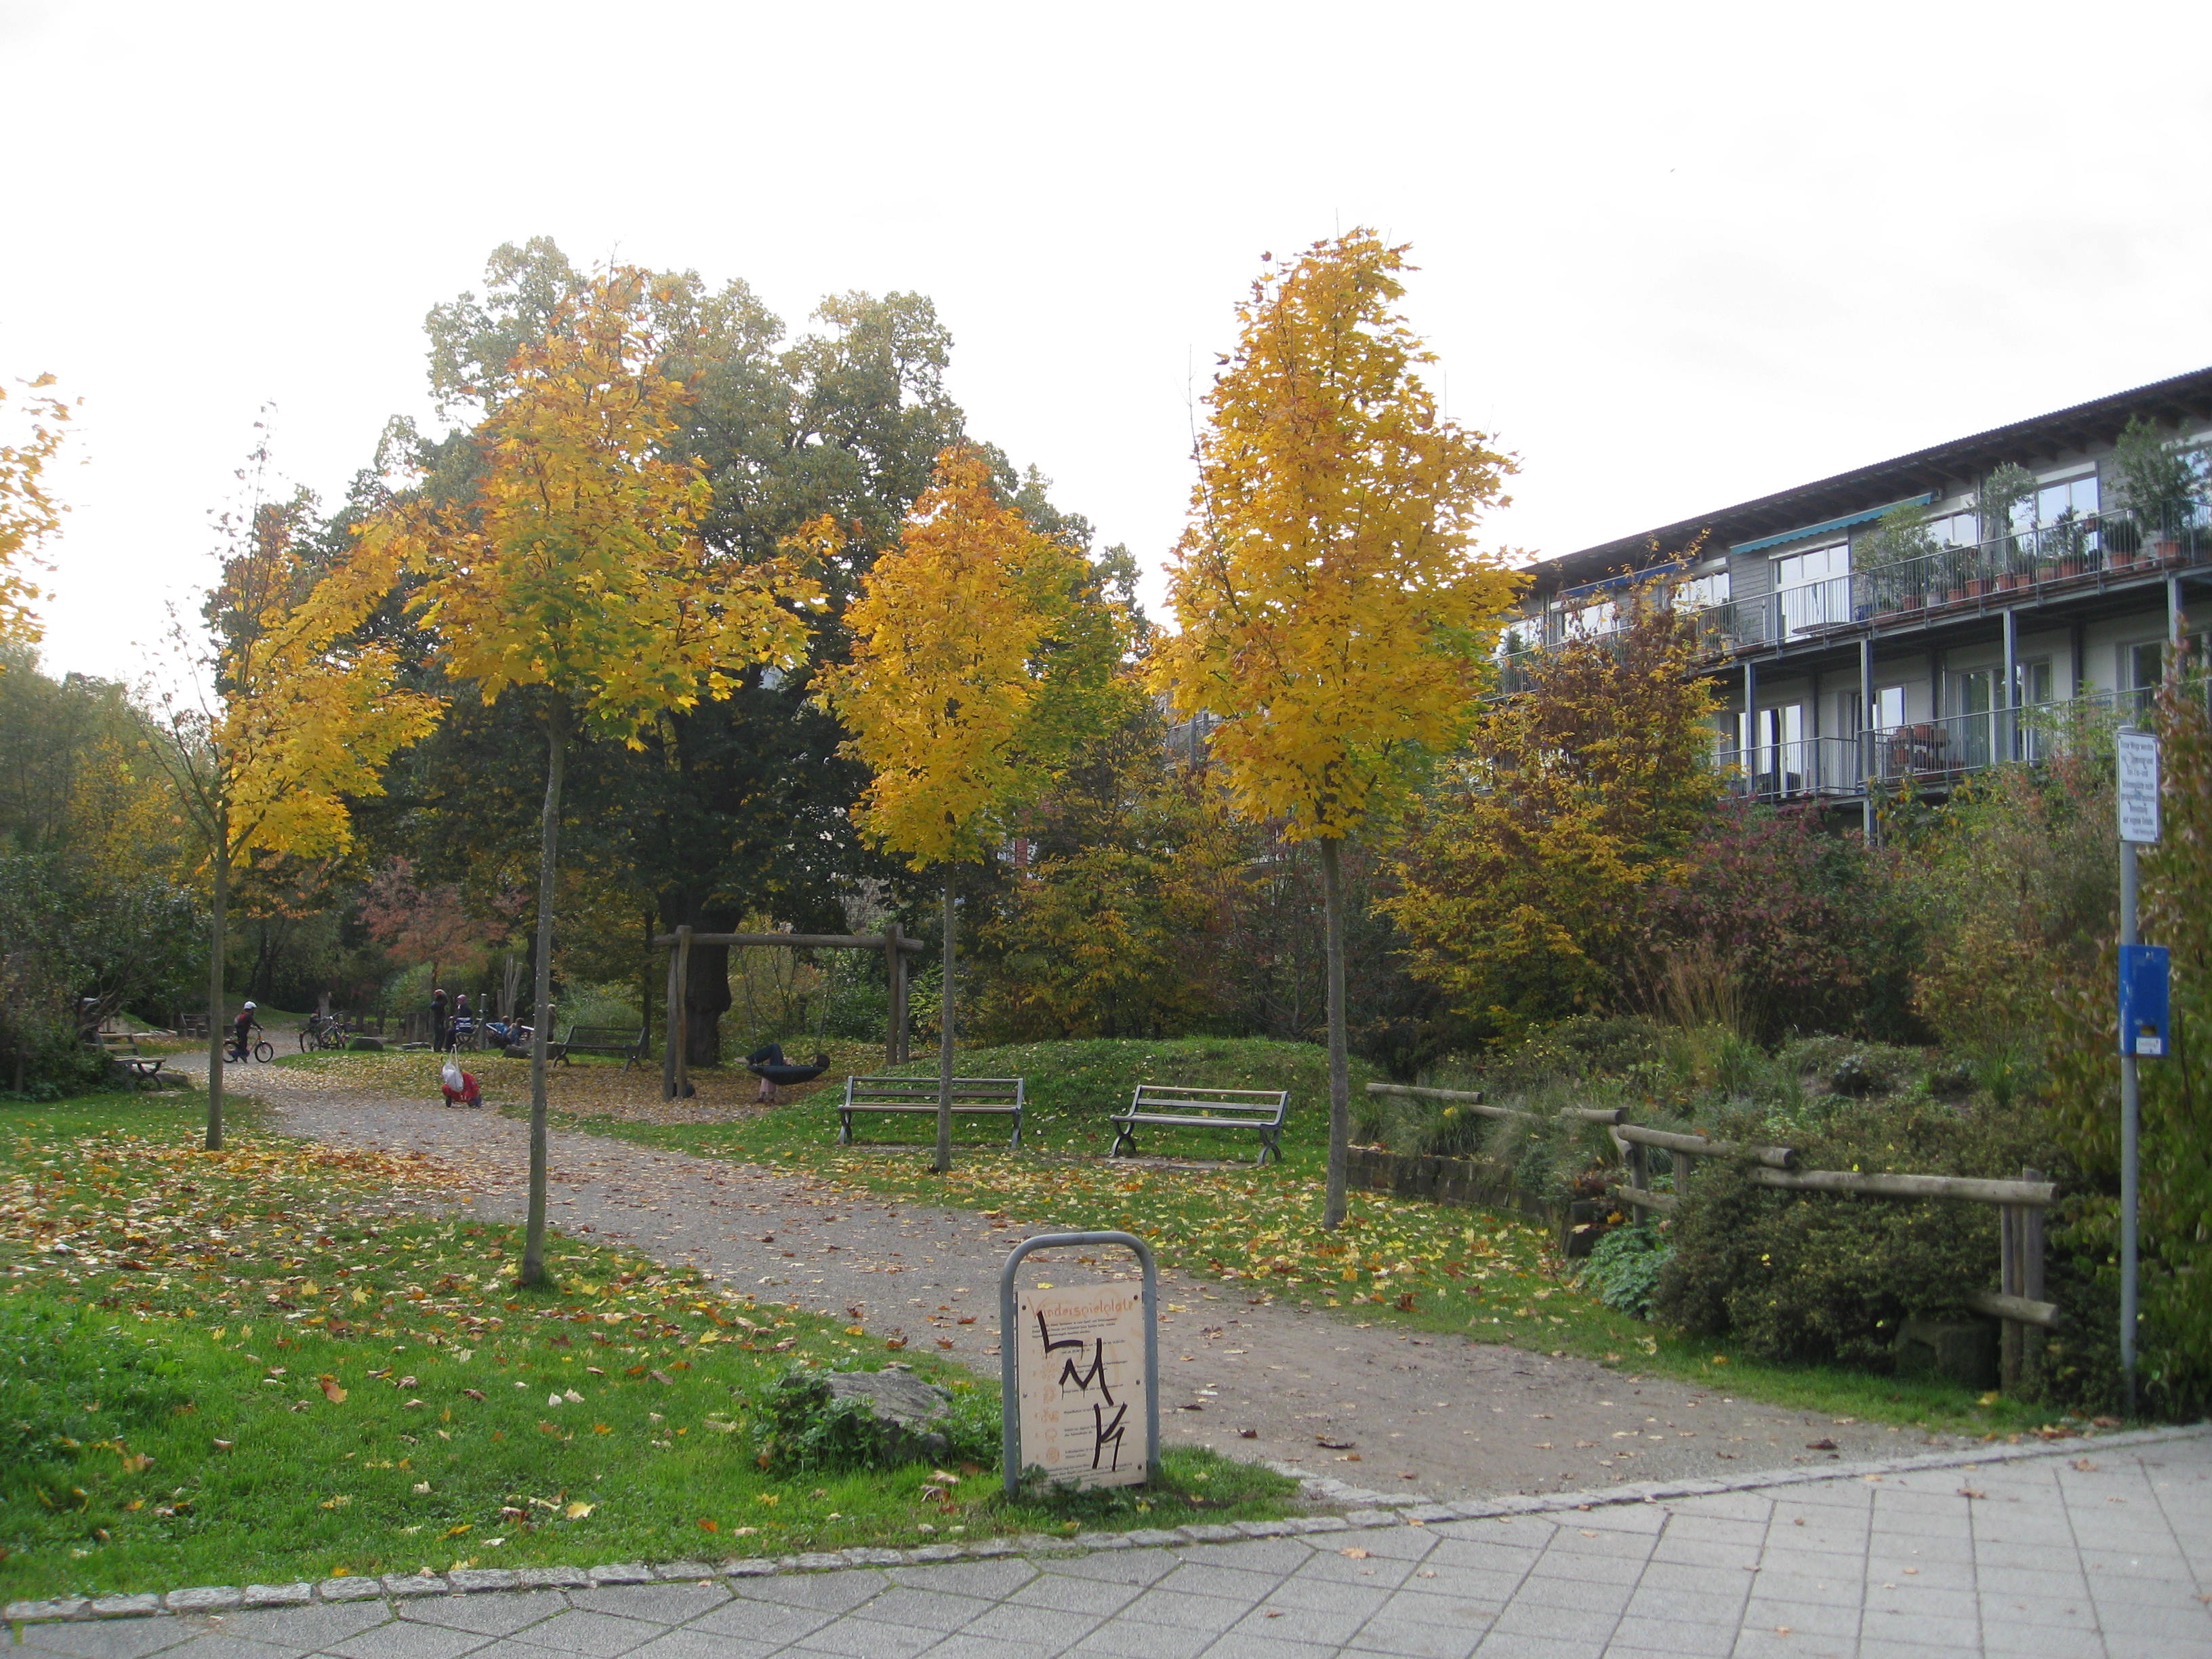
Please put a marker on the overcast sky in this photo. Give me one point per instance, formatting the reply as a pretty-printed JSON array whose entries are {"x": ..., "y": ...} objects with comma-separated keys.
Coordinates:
[{"x": 1673, "y": 256}]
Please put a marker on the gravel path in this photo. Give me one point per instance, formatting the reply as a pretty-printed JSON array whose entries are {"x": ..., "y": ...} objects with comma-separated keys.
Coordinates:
[{"x": 1445, "y": 1416}]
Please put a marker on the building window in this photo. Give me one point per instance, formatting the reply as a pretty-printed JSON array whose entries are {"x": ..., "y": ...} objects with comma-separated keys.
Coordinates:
[
  {"x": 1954, "y": 530},
  {"x": 1814, "y": 586},
  {"x": 2052, "y": 501},
  {"x": 1887, "y": 707},
  {"x": 1700, "y": 592}
]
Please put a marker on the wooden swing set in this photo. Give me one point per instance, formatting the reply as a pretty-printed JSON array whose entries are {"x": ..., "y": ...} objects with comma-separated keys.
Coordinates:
[{"x": 675, "y": 1070}]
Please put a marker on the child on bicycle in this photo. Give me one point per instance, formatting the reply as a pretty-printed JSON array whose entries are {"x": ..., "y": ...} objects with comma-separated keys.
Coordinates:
[{"x": 241, "y": 1033}]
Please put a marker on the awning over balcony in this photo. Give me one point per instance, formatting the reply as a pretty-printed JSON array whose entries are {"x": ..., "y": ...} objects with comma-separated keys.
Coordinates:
[{"x": 1827, "y": 525}]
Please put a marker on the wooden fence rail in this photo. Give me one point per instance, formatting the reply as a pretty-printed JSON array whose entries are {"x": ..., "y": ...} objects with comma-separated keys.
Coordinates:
[{"x": 2018, "y": 1301}]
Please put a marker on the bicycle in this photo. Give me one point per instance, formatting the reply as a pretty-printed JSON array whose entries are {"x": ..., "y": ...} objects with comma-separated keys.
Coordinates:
[
  {"x": 324, "y": 1033},
  {"x": 263, "y": 1050}
]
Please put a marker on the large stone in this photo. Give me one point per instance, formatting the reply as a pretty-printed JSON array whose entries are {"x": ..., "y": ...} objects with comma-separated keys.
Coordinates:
[
  {"x": 910, "y": 1408},
  {"x": 1961, "y": 1351}
]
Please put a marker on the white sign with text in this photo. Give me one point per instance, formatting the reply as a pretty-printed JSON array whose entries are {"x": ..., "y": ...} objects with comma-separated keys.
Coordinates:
[
  {"x": 1079, "y": 1364},
  {"x": 2137, "y": 753}
]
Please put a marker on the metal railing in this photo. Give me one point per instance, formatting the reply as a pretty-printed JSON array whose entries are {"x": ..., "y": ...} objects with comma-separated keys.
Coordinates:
[
  {"x": 1798, "y": 769},
  {"x": 1934, "y": 752},
  {"x": 2098, "y": 549}
]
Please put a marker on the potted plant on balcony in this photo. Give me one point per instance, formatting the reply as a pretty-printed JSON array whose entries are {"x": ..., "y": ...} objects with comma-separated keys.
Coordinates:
[
  {"x": 2001, "y": 490},
  {"x": 1894, "y": 557},
  {"x": 2160, "y": 483},
  {"x": 2064, "y": 540}
]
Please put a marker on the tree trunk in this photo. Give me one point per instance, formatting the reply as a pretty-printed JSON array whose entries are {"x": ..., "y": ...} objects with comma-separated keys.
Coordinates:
[
  {"x": 944, "y": 1040},
  {"x": 216, "y": 1022},
  {"x": 548, "y": 845},
  {"x": 1339, "y": 1078},
  {"x": 707, "y": 997}
]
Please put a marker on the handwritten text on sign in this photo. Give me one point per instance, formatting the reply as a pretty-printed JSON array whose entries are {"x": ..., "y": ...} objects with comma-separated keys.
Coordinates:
[{"x": 1080, "y": 1368}]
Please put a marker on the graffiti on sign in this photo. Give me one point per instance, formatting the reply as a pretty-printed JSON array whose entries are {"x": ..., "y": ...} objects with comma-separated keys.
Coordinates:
[{"x": 1080, "y": 1366}]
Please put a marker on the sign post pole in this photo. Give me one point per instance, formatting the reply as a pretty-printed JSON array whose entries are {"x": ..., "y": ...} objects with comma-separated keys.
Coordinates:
[
  {"x": 2136, "y": 760},
  {"x": 1088, "y": 1348}
]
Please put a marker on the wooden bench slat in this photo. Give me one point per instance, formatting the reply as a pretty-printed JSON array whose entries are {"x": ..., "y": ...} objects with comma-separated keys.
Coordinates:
[
  {"x": 971, "y": 1096},
  {"x": 612, "y": 1041},
  {"x": 1263, "y": 1109}
]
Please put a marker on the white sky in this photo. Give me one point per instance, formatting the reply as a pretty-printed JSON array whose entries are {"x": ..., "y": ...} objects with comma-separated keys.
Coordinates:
[{"x": 1675, "y": 256}]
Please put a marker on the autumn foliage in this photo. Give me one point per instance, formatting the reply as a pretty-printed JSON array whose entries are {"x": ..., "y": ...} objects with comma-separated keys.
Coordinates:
[
  {"x": 982, "y": 654},
  {"x": 1523, "y": 882},
  {"x": 1334, "y": 607},
  {"x": 28, "y": 512}
]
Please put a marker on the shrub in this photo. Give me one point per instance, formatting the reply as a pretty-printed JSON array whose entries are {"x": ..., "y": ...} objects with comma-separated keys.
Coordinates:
[
  {"x": 798, "y": 1425},
  {"x": 1820, "y": 1276},
  {"x": 1625, "y": 1268}
]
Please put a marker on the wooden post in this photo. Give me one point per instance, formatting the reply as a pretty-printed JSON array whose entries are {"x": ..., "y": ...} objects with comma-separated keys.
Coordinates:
[
  {"x": 895, "y": 1044},
  {"x": 668, "y": 1034},
  {"x": 1639, "y": 1175},
  {"x": 2009, "y": 1282},
  {"x": 1685, "y": 1165},
  {"x": 680, "y": 1023},
  {"x": 2031, "y": 1283}
]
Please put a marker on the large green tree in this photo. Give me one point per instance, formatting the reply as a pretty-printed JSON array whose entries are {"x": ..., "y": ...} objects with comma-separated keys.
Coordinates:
[{"x": 737, "y": 807}]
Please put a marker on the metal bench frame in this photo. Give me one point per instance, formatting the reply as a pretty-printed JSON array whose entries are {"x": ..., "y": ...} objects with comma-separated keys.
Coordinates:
[
  {"x": 1263, "y": 1109},
  {"x": 974, "y": 1097},
  {"x": 600, "y": 1040}
]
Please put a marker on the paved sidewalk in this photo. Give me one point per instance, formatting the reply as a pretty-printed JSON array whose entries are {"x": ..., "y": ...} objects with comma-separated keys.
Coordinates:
[{"x": 2102, "y": 1551}]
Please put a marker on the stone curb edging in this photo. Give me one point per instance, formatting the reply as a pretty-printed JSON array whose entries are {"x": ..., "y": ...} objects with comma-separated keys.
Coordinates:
[{"x": 1381, "y": 1511}]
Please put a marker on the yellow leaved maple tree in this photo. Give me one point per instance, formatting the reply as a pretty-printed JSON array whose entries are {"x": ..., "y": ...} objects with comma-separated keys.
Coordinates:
[
  {"x": 982, "y": 654},
  {"x": 574, "y": 570},
  {"x": 295, "y": 714},
  {"x": 1334, "y": 610},
  {"x": 28, "y": 512}
]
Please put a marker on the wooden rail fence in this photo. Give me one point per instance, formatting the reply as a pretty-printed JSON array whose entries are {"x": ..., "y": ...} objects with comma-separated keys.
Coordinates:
[{"x": 2017, "y": 1303}]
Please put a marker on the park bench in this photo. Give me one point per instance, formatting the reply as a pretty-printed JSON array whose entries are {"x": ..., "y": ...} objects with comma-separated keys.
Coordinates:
[
  {"x": 1171, "y": 1106},
  {"x": 143, "y": 1068},
  {"x": 612, "y": 1041},
  {"x": 974, "y": 1097}
]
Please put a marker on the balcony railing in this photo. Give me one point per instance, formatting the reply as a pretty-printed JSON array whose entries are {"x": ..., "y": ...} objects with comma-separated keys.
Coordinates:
[
  {"x": 2102, "y": 548},
  {"x": 2099, "y": 549},
  {"x": 1803, "y": 769},
  {"x": 1934, "y": 753}
]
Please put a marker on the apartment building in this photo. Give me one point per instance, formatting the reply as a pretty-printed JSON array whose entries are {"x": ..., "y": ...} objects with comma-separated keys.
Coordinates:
[{"x": 1924, "y": 618}]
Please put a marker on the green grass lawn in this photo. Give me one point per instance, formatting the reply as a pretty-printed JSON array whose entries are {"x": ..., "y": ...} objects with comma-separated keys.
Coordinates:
[
  {"x": 261, "y": 1363},
  {"x": 1494, "y": 1276}
]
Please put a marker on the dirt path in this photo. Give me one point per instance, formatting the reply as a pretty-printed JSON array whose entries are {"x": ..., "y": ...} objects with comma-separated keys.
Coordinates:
[{"x": 1445, "y": 1416}]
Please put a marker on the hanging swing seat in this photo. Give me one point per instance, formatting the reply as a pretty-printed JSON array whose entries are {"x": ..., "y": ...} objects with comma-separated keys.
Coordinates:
[{"x": 783, "y": 1076}]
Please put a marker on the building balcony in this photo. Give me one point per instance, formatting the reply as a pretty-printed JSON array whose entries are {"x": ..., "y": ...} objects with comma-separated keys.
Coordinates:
[
  {"x": 2031, "y": 566},
  {"x": 1932, "y": 754}
]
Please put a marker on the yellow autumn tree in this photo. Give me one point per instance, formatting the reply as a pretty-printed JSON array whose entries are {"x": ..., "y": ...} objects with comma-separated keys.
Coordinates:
[
  {"x": 288, "y": 716},
  {"x": 574, "y": 571},
  {"x": 982, "y": 654},
  {"x": 1333, "y": 608},
  {"x": 28, "y": 512}
]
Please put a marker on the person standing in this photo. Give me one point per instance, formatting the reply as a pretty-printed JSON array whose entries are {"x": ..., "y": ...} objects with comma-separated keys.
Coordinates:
[{"x": 438, "y": 1020}]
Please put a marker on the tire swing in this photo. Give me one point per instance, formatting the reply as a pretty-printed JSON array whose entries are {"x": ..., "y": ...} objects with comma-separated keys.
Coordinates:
[{"x": 768, "y": 1064}]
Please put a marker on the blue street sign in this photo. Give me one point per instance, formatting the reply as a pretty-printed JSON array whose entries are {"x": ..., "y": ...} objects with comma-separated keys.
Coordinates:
[{"x": 2144, "y": 976}]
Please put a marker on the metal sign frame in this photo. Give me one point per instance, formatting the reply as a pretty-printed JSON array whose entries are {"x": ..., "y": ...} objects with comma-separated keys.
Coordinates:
[
  {"x": 2135, "y": 768},
  {"x": 1010, "y": 1348}
]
